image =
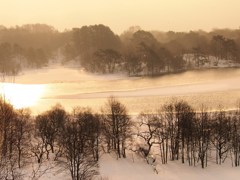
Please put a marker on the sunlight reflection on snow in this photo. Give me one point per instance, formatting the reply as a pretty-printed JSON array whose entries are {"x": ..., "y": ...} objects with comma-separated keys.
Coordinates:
[{"x": 21, "y": 95}]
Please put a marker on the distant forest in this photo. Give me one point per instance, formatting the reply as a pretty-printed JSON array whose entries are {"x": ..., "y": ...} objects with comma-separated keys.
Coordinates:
[{"x": 98, "y": 49}]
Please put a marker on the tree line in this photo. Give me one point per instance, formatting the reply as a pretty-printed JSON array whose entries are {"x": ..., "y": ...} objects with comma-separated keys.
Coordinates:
[
  {"x": 98, "y": 49},
  {"x": 28, "y": 46},
  {"x": 140, "y": 52},
  {"x": 194, "y": 137},
  {"x": 71, "y": 141},
  {"x": 75, "y": 141}
]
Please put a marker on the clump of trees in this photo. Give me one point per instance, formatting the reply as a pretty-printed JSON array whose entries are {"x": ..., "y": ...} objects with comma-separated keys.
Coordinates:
[
  {"x": 70, "y": 140},
  {"x": 76, "y": 140},
  {"x": 80, "y": 146},
  {"x": 29, "y": 46},
  {"x": 98, "y": 49},
  {"x": 116, "y": 125},
  {"x": 8, "y": 62},
  {"x": 15, "y": 130},
  {"x": 182, "y": 133},
  {"x": 140, "y": 52}
]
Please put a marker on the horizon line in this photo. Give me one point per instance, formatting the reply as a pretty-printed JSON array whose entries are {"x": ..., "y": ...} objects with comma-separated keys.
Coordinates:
[{"x": 137, "y": 26}]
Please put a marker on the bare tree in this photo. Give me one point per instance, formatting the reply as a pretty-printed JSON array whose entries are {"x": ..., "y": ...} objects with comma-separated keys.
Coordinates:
[
  {"x": 168, "y": 112},
  {"x": 235, "y": 136},
  {"x": 8, "y": 158},
  {"x": 91, "y": 122},
  {"x": 49, "y": 126},
  {"x": 22, "y": 134},
  {"x": 203, "y": 135},
  {"x": 185, "y": 121},
  {"x": 116, "y": 126},
  {"x": 221, "y": 135},
  {"x": 79, "y": 160},
  {"x": 163, "y": 134},
  {"x": 148, "y": 128}
]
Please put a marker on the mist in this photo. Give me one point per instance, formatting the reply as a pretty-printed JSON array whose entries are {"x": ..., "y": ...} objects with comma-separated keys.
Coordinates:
[{"x": 100, "y": 90}]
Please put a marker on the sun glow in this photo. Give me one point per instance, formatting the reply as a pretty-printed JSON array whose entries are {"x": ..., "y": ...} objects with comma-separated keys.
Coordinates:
[{"x": 21, "y": 95}]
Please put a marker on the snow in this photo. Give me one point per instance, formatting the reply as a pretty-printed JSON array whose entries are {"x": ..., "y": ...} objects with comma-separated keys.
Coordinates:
[
  {"x": 125, "y": 168},
  {"x": 71, "y": 86},
  {"x": 122, "y": 169},
  {"x": 75, "y": 87},
  {"x": 209, "y": 61},
  {"x": 136, "y": 168},
  {"x": 58, "y": 73}
]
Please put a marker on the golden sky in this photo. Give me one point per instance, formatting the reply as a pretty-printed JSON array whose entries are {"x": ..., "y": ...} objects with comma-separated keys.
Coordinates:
[{"x": 164, "y": 15}]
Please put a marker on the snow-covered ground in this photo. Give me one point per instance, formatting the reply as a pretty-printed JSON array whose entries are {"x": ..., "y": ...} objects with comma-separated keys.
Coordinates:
[
  {"x": 204, "y": 61},
  {"x": 71, "y": 86},
  {"x": 122, "y": 169},
  {"x": 136, "y": 168},
  {"x": 74, "y": 87}
]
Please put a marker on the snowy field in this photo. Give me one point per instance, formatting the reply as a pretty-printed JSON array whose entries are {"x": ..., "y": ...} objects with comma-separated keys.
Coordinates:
[
  {"x": 71, "y": 86},
  {"x": 135, "y": 168}
]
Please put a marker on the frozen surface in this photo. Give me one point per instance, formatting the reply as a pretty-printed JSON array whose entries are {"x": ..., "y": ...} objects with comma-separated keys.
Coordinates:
[{"x": 72, "y": 86}]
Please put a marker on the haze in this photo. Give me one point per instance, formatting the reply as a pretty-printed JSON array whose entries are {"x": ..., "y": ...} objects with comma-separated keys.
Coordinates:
[{"x": 176, "y": 15}]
